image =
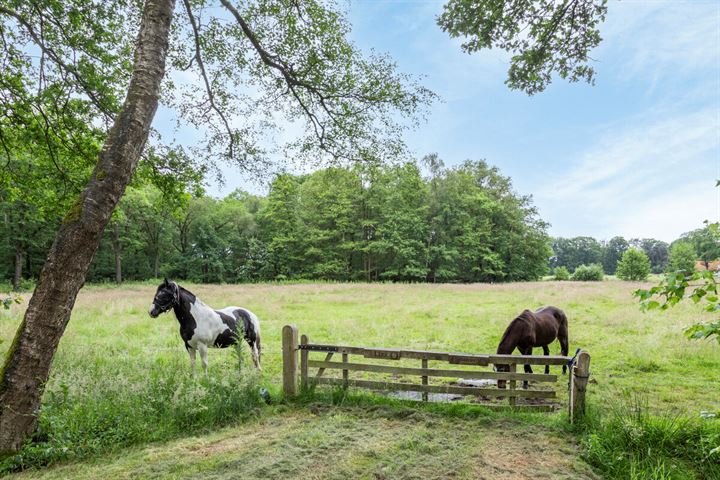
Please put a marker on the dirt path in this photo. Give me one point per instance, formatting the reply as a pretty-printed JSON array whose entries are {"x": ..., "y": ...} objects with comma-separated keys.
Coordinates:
[{"x": 344, "y": 444}]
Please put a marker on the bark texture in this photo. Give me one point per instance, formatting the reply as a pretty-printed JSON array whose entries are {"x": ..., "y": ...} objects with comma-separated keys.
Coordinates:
[{"x": 28, "y": 362}]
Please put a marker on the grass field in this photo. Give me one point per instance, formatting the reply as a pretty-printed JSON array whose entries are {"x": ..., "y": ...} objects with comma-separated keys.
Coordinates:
[{"x": 121, "y": 381}]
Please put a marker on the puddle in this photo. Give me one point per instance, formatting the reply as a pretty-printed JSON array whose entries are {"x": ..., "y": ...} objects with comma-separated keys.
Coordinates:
[{"x": 432, "y": 397}]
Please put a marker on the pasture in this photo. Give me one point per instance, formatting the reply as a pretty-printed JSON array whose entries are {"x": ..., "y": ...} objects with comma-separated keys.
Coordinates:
[{"x": 120, "y": 382}]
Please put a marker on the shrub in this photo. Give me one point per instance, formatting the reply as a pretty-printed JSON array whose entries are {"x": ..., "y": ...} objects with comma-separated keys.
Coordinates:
[
  {"x": 589, "y": 273},
  {"x": 561, "y": 273},
  {"x": 634, "y": 265}
]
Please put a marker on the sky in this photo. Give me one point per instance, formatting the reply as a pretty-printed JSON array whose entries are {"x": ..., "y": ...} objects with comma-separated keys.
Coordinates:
[{"x": 635, "y": 155}]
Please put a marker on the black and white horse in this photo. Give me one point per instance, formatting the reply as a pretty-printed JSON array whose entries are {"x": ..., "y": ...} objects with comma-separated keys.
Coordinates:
[{"x": 202, "y": 326}]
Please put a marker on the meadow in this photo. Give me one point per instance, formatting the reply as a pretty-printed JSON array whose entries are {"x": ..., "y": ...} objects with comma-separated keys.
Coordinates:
[{"x": 121, "y": 401}]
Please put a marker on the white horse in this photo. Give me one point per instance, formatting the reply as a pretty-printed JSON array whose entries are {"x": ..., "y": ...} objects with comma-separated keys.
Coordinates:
[{"x": 201, "y": 326}]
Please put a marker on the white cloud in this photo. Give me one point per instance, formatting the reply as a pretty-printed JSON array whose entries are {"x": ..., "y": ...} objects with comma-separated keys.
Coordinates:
[
  {"x": 651, "y": 176},
  {"x": 655, "y": 37}
]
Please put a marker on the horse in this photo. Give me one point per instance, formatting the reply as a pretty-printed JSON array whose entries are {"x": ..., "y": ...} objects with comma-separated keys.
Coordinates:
[
  {"x": 202, "y": 326},
  {"x": 534, "y": 329}
]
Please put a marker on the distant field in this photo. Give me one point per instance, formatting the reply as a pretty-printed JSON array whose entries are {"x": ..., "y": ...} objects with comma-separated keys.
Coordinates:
[{"x": 112, "y": 344}]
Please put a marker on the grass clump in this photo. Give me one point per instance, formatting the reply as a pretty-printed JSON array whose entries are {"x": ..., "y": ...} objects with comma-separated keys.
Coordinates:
[
  {"x": 629, "y": 442},
  {"x": 94, "y": 413}
]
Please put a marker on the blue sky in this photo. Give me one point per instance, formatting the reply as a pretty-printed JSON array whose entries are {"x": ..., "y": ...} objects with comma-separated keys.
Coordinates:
[{"x": 635, "y": 155}]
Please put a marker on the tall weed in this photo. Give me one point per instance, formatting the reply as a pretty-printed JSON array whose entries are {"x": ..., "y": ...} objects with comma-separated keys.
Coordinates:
[
  {"x": 100, "y": 410},
  {"x": 628, "y": 442}
]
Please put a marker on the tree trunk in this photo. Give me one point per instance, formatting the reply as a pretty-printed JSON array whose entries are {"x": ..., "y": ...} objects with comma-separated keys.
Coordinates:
[
  {"x": 117, "y": 251},
  {"x": 156, "y": 266},
  {"x": 28, "y": 361},
  {"x": 17, "y": 277}
]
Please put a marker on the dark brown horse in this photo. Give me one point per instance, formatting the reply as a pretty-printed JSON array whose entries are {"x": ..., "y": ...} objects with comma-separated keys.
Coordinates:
[{"x": 534, "y": 329}]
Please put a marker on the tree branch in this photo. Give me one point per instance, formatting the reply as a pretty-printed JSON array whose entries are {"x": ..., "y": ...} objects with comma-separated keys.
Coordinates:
[
  {"x": 57, "y": 60},
  {"x": 201, "y": 65},
  {"x": 288, "y": 74}
]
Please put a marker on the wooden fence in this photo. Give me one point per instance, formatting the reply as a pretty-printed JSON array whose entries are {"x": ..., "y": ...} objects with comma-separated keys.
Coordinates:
[{"x": 292, "y": 344}]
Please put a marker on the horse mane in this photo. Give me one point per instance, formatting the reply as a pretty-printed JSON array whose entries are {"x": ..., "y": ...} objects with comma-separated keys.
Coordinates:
[{"x": 185, "y": 290}]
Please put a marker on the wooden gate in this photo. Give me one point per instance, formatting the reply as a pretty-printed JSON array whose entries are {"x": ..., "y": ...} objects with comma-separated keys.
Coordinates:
[{"x": 579, "y": 372}]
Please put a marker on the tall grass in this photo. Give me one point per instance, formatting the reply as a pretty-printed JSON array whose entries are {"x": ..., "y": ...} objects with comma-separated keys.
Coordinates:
[
  {"x": 96, "y": 409},
  {"x": 629, "y": 442}
]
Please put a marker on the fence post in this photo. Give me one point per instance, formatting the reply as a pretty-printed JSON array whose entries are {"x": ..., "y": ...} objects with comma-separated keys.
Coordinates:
[
  {"x": 346, "y": 373},
  {"x": 304, "y": 340},
  {"x": 579, "y": 374},
  {"x": 512, "y": 400},
  {"x": 424, "y": 364},
  {"x": 289, "y": 351}
]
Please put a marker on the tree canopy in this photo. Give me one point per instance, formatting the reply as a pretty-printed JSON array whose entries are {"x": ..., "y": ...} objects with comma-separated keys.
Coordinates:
[
  {"x": 545, "y": 37},
  {"x": 369, "y": 223}
]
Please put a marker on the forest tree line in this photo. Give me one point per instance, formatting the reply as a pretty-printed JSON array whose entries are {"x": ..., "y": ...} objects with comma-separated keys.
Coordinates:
[
  {"x": 366, "y": 223},
  {"x": 681, "y": 254}
]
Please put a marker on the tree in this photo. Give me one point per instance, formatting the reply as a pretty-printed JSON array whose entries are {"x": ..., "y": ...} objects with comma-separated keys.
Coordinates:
[
  {"x": 682, "y": 257},
  {"x": 293, "y": 56},
  {"x": 295, "y": 53},
  {"x": 703, "y": 287},
  {"x": 28, "y": 361},
  {"x": 656, "y": 250},
  {"x": 634, "y": 265},
  {"x": 612, "y": 252},
  {"x": 573, "y": 252},
  {"x": 705, "y": 242},
  {"x": 401, "y": 228},
  {"x": 280, "y": 229},
  {"x": 545, "y": 37},
  {"x": 480, "y": 229}
]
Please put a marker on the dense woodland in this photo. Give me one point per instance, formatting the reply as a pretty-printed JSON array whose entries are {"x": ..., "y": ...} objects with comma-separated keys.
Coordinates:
[
  {"x": 369, "y": 223},
  {"x": 416, "y": 222}
]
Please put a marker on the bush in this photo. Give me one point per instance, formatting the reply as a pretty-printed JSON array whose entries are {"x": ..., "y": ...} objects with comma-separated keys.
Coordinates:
[
  {"x": 561, "y": 273},
  {"x": 589, "y": 273},
  {"x": 634, "y": 265}
]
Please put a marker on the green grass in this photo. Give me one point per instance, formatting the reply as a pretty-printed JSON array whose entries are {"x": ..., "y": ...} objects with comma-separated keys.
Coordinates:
[{"x": 121, "y": 379}]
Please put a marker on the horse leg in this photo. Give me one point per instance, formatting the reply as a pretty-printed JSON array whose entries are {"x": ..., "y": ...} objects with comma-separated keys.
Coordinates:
[
  {"x": 528, "y": 368},
  {"x": 191, "y": 352},
  {"x": 546, "y": 352},
  {"x": 203, "y": 349}
]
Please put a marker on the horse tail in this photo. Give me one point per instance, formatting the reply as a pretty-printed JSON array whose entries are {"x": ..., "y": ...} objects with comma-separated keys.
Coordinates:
[
  {"x": 257, "y": 344},
  {"x": 563, "y": 334}
]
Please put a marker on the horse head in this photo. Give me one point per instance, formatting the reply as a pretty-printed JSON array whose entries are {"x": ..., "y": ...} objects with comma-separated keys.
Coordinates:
[
  {"x": 166, "y": 297},
  {"x": 501, "y": 368}
]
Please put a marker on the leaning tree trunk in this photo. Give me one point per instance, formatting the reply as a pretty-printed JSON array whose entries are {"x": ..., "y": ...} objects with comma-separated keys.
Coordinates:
[{"x": 28, "y": 361}]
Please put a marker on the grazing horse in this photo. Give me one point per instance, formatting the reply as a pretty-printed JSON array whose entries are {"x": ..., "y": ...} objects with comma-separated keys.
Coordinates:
[
  {"x": 534, "y": 329},
  {"x": 202, "y": 326}
]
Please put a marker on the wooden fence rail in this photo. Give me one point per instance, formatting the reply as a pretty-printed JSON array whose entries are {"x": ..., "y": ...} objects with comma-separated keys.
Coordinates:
[{"x": 579, "y": 371}]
